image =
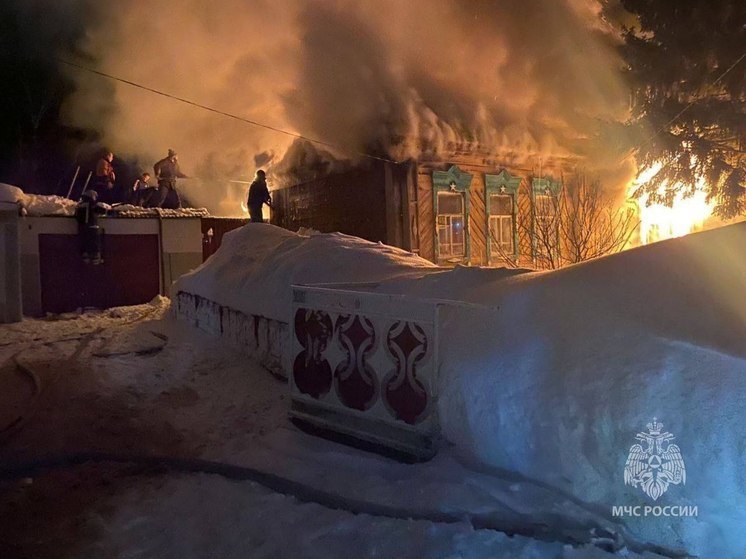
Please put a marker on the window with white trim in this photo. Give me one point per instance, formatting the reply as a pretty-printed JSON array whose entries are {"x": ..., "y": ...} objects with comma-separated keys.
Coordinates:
[
  {"x": 450, "y": 223},
  {"x": 501, "y": 225}
]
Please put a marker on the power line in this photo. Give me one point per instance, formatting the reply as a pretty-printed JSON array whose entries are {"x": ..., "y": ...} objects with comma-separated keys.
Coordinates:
[
  {"x": 681, "y": 112},
  {"x": 691, "y": 103},
  {"x": 223, "y": 113}
]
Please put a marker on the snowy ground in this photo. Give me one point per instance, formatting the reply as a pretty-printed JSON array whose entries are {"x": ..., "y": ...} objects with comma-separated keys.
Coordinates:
[
  {"x": 552, "y": 376},
  {"x": 131, "y": 382}
]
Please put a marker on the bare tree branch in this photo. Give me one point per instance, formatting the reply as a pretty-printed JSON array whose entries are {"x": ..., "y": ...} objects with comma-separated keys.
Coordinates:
[{"x": 581, "y": 223}]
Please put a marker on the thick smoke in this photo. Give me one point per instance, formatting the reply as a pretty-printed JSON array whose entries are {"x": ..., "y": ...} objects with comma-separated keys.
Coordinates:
[{"x": 526, "y": 80}]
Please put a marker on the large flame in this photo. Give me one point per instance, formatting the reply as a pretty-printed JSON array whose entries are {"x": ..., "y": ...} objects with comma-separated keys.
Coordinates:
[{"x": 659, "y": 221}]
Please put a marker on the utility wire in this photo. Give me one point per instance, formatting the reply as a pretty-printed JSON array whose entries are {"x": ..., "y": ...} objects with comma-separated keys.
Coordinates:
[
  {"x": 223, "y": 113},
  {"x": 681, "y": 112},
  {"x": 691, "y": 104}
]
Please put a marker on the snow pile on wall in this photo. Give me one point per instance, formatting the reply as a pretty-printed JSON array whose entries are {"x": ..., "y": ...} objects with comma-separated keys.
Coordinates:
[
  {"x": 9, "y": 193},
  {"x": 256, "y": 265},
  {"x": 37, "y": 204},
  {"x": 556, "y": 380}
]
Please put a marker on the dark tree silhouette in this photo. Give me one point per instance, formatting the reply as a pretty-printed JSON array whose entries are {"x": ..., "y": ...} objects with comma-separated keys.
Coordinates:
[{"x": 686, "y": 62}]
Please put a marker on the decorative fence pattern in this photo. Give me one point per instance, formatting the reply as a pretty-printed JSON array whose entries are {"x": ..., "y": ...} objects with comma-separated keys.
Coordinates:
[{"x": 364, "y": 364}]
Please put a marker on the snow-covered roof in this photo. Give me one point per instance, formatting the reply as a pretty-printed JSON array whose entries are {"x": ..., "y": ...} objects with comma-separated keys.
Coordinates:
[
  {"x": 139, "y": 212},
  {"x": 36, "y": 204},
  {"x": 45, "y": 205}
]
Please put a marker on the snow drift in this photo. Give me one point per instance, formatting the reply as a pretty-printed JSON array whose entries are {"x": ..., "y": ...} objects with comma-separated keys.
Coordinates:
[
  {"x": 551, "y": 375},
  {"x": 255, "y": 266},
  {"x": 557, "y": 378}
]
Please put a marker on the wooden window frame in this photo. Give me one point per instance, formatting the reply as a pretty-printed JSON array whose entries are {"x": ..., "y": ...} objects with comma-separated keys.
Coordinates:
[
  {"x": 456, "y": 181},
  {"x": 501, "y": 184},
  {"x": 449, "y": 226},
  {"x": 550, "y": 188}
]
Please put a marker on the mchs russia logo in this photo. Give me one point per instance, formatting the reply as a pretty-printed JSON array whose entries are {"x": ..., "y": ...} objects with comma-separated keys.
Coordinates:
[{"x": 656, "y": 463}]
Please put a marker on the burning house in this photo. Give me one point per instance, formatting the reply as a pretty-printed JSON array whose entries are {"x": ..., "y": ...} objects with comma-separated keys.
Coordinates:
[{"x": 465, "y": 209}]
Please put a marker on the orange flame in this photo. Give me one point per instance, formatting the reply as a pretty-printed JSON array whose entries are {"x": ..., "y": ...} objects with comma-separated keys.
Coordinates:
[{"x": 659, "y": 221}]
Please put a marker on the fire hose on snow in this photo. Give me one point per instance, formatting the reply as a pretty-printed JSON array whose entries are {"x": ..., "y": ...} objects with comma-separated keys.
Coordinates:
[{"x": 580, "y": 534}]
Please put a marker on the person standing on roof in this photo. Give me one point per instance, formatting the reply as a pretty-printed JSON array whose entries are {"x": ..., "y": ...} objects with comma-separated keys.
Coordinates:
[
  {"x": 258, "y": 196},
  {"x": 103, "y": 183},
  {"x": 167, "y": 171}
]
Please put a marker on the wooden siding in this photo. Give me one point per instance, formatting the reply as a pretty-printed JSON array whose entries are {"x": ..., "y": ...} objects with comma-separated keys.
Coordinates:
[
  {"x": 478, "y": 221},
  {"x": 524, "y": 219},
  {"x": 353, "y": 203},
  {"x": 396, "y": 205},
  {"x": 426, "y": 219},
  {"x": 478, "y": 226}
]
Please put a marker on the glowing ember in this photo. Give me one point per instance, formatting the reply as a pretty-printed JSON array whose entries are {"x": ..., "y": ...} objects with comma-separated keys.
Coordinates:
[{"x": 659, "y": 221}]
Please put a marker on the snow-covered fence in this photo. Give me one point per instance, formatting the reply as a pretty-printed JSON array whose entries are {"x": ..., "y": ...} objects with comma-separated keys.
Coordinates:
[
  {"x": 364, "y": 364},
  {"x": 261, "y": 338},
  {"x": 359, "y": 363}
]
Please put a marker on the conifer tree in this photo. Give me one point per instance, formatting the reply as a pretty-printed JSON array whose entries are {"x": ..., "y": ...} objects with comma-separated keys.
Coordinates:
[{"x": 686, "y": 63}]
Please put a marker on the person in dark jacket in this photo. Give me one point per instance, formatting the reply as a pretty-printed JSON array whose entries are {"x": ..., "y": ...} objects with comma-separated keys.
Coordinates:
[
  {"x": 103, "y": 182},
  {"x": 167, "y": 171},
  {"x": 142, "y": 192},
  {"x": 258, "y": 196},
  {"x": 86, "y": 214}
]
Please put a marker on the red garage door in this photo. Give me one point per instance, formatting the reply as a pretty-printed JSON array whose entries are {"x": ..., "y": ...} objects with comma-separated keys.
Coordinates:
[{"x": 128, "y": 276}]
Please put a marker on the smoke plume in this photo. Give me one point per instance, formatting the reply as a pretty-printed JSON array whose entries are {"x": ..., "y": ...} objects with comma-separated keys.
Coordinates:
[{"x": 526, "y": 80}]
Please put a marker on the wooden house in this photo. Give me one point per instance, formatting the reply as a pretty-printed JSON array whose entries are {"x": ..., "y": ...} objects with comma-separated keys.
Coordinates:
[{"x": 465, "y": 210}]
